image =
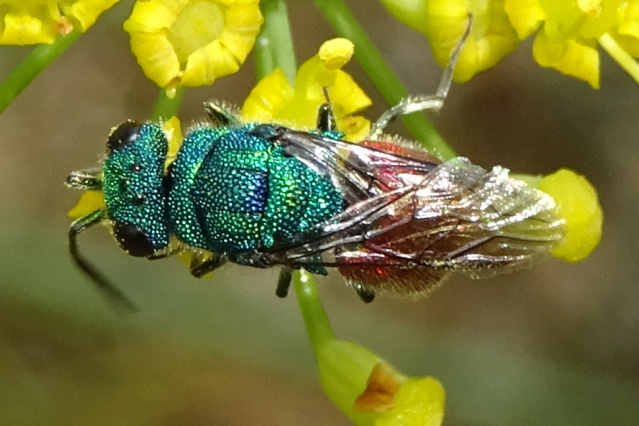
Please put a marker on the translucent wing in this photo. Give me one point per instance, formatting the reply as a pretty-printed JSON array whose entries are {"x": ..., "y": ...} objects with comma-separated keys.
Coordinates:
[
  {"x": 410, "y": 222},
  {"x": 357, "y": 170}
]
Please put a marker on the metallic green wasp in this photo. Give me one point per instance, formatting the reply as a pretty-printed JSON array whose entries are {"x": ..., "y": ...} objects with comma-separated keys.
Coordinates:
[{"x": 384, "y": 213}]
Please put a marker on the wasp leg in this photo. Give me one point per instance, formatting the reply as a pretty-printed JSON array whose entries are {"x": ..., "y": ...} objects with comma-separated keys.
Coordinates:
[
  {"x": 222, "y": 114},
  {"x": 200, "y": 268},
  {"x": 103, "y": 283},
  {"x": 160, "y": 255},
  {"x": 284, "y": 282},
  {"x": 326, "y": 119},
  {"x": 431, "y": 103},
  {"x": 367, "y": 295}
]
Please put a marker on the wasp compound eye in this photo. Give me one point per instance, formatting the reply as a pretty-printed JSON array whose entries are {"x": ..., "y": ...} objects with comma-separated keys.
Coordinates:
[
  {"x": 133, "y": 240},
  {"x": 123, "y": 135}
]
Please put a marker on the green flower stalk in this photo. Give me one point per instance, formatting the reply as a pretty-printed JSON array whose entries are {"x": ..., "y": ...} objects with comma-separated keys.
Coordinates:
[{"x": 359, "y": 382}]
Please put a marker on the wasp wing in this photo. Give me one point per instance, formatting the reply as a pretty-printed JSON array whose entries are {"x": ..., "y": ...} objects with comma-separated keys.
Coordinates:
[
  {"x": 409, "y": 222},
  {"x": 357, "y": 170}
]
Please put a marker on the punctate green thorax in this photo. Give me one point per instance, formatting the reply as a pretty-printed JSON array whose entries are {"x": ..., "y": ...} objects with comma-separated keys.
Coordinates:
[{"x": 231, "y": 191}]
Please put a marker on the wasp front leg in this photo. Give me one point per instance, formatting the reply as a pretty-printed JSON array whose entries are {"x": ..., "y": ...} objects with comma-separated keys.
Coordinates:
[
  {"x": 222, "y": 114},
  {"x": 202, "y": 265}
]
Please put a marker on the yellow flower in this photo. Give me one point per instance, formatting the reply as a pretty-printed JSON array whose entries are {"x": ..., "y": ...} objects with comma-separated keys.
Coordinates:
[
  {"x": 569, "y": 33},
  {"x": 173, "y": 131},
  {"x": 192, "y": 42},
  {"x": 371, "y": 392},
  {"x": 418, "y": 402},
  {"x": 579, "y": 207},
  {"x": 444, "y": 21},
  {"x": 274, "y": 99},
  {"x": 89, "y": 202},
  {"x": 40, "y": 21},
  {"x": 359, "y": 382}
]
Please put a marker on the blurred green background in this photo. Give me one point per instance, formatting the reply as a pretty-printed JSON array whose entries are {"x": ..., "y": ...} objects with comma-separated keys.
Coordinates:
[{"x": 554, "y": 345}]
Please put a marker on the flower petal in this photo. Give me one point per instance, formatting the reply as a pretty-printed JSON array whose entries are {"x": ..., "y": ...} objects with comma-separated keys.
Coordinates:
[
  {"x": 336, "y": 53},
  {"x": 32, "y": 22},
  {"x": 151, "y": 16},
  {"x": 243, "y": 22},
  {"x": 156, "y": 57},
  {"x": 491, "y": 38},
  {"x": 89, "y": 202},
  {"x": 173, "y": 131},
  {"x": 627, "y": 31},
  {"x": 524, "y": 15},
  {"x": 85, "y": 12},
  {"x": 348, "y": 98},
  {"x": 578, "y": 58},
  {"x": 579, "y": 206},
  {"x": 22, "y": 27},
  {"x": 419, "y": 402},
  {"x": 355, "y": 127},
  {"x": 208, "y": 63},
  {"x": 268, "y": 98}
]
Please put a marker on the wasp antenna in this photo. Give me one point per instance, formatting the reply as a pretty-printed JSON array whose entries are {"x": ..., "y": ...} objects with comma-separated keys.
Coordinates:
[
  {"x": 108, "y": 288},
  {"x": 432, "y": 103},
  {"x": 87, "y": 179}
]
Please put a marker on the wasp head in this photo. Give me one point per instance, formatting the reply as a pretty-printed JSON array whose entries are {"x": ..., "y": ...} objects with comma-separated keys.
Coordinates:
[{"x": 132, "y": 182}]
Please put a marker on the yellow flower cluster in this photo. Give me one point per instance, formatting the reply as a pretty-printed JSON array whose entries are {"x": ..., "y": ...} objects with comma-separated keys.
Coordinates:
[
  {"x": 192, "y": 42},
  {"x": 41, "y": 21},
  {"x": 274, "y": 99},
  {"x": 567, "y": 33}
]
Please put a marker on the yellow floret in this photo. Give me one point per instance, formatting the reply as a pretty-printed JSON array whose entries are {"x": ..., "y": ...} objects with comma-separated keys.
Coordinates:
[
  {"x": 89, "y": 201},
  {"x": 336, "y": 53},
  {"x": 419, "y": 402},
  {"x": 578, "y": 205}
]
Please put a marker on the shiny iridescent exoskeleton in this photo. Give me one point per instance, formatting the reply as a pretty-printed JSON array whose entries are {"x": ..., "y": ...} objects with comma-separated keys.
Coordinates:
[{"x": 384, "y": 213}]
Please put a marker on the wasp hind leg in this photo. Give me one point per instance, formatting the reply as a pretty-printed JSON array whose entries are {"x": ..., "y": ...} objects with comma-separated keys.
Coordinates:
[
  {"x": 431, "y": 103},
  {"x": 366, "y": 294},
  {"x": 284, "y": 282}
]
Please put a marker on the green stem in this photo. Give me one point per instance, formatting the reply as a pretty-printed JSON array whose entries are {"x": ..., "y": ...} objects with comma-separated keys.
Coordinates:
[
  {"x": 622, "y": 57},
  {"x": 274, "y": 45},
  {"x": 346, "y": 25},
  {"x": 39, "y": 58},
  {"x": 166, "y": 107},
  {"x": 318, "y": 327}
]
